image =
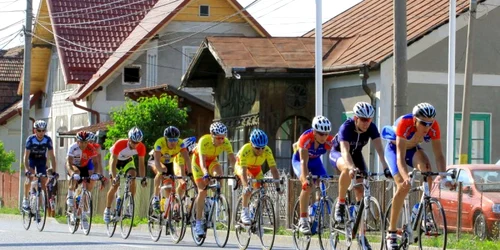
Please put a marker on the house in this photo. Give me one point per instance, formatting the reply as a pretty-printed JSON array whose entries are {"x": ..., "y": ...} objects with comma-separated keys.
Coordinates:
[
  {"x": 357, "y": 67},
  {"x": 88, "y": 53}
]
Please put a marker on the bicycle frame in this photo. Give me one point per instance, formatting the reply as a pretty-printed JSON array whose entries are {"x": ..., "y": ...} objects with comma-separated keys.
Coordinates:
[
  {"x": 322, "y": 186},
  {"x": 261, "y": 191},
  {"x": 128, "y": 180}
]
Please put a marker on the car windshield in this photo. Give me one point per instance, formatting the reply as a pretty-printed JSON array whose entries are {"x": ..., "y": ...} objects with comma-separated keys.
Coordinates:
[{"x": 487, "y": 180}]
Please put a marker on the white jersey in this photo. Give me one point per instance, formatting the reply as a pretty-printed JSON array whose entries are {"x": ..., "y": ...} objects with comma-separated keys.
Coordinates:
[{"x": 81, "y": 157}]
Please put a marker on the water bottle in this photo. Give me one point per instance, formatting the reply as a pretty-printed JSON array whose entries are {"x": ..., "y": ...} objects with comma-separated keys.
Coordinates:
[
  {"x": 414, "y": 213},
  {"x": 52, "y": 203},
  {"x": 77, "y": 201},
  {"x": 312, "y": 213},
  {"x": 118, "y": 203},
  {"x": 208, "y": 204},
  {"x": 352, "y": 211}
]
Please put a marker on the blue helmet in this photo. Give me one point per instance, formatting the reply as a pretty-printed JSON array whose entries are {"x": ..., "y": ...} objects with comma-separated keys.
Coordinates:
[
  {"x": 190, "y": 143},
  {"x": 258, "y": 138},
  {"x": 135, "y": 134}
]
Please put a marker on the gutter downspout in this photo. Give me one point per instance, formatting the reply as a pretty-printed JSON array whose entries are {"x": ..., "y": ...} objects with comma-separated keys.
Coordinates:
[
  {"x": 98, "y": 116},
  {"x": 363, "y": 74}
]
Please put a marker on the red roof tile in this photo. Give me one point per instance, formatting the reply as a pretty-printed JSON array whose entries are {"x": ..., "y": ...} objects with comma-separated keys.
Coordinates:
[
  {"x": 371, "y": 23},
  {"x": 11, "y": 69},
  {"x": 87, "y": 32}
]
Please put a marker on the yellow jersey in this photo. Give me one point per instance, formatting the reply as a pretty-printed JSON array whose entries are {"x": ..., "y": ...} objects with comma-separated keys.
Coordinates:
[
  {"x": 168, "y": 154},
  {"x": 247, "y": 158},
  {"x": 207, "y": 148}
]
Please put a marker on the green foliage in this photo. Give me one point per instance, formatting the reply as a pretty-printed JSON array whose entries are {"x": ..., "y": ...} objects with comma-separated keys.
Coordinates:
[
  {"x": 152, "y": 115},
  {"x": 6, "y": 159}
]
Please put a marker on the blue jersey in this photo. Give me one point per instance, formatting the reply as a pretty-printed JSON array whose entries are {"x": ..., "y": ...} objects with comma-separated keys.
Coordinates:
[
  {"x": 347, "y": 132},
  {"x": 38, "y": 148}
]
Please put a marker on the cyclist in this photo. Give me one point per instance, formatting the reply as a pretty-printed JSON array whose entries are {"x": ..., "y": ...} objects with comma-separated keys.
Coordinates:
[
  {"x": 312, "y": 144},
  {"x": 79, "y": 164},
  {"x": 249, "y": 161},
  {"x": 97, "y": 160},
  {"x": 166, "y": 149},
  {"x": 346, "y": 154},
  {"x": 122, "y": 161},
  {"x": 179, "y": 163},
  {"x": 38, "y": 146},
  {"x": 403, "y": 149},
  {"x": 205, "y": 164}
]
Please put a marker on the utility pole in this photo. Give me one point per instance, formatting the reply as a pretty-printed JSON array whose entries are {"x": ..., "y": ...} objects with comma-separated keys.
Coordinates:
[
  {"x": 400, "y": 71},
  {"x": 464, "y": 135},
  {"x": 319, "y": 60},
  {"x": 25, "y": 127},
  {"x": 450, "y": 130}
]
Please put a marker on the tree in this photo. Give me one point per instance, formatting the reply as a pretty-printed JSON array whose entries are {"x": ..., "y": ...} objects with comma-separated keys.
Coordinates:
[
  {"x": 6, "y": 159},
  {"x": 151, "y": 114}
]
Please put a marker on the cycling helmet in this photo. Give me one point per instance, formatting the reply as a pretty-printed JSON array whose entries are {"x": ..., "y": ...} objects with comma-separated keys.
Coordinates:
[
  {"x": 363, "y": 110},
  {"x": 218, "y": 128},
  {"x": 40, "y": 124},
  {"x": 321, "y": 124},
  {"x": 82, "y": 136},
  {"x": 135, "y": 134},
  {"x": 424, "y": 110},
  {"x": 190, "y": 143},
  {"x": 172, "y": 132},
  {"x": 258, "y": 138},
  {"x": 91, "y": 137}
]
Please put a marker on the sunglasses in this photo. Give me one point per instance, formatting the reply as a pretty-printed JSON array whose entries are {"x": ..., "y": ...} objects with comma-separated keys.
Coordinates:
[
  {"x": 220, "y": 138},
  {"x": 258, "y": 148},
  {"x": 39, "y": 131},
  {"x": 424, "y": 123},
  {"x": 363, "y": 119},
  {"x": 172, "y": 139},
  {"x": 134, "y": 142},
  {"x": 321, "y": 133}
]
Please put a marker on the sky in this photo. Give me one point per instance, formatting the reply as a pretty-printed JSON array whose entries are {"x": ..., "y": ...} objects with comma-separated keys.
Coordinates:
[{"x": 279, "y": 17}]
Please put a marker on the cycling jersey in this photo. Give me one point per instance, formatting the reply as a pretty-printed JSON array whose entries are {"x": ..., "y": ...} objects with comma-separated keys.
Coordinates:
[
  {"x": 96, "y": 146},
  {"x": 315, "y": 166},
  {"x": 168, "y": 154},
  {"x": 206, "y": 148},
  {"x": 38, "y": 148},
  {"x": 124, "y": 152},
  {"x": 81, "y": 158},
  {"x": 247, "y": 158}
]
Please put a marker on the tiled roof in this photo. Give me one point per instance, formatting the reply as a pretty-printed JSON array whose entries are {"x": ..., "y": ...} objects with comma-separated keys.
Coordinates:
[
  {"x": 16, "y": 108},
  {"x": 150, "y": 25},
  {"x": 92, "y": 128},
  {"x": 275, "y": 52},
  {"x": 135, "y": 94},
  {"x": 371, "y": 22},
  {"x": 84, "y": 40},
  {"x": 13, "y": 52},
  {"x": 11, "y": 69}
]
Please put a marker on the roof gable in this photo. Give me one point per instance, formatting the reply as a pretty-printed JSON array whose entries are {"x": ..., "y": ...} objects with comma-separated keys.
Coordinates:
[{"x": 374, "y": 31}]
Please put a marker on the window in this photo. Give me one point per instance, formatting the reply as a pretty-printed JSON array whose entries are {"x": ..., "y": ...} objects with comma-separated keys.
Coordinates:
[
  {"x": 479, "y": 138},
  {"x": 346, "y": 115},
  {"x": 288, "y": 133},
  {"x": 152, "y": 67},
  {"x": 204, "y": 10},
  {"x": 132, "y": 75},
  {"x": 188, "y": 53}
]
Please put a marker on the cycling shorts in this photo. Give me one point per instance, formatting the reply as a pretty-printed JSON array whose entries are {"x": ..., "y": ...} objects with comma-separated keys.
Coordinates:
[
  {"x": 124, "y": 166},
  {"x": 357, "y": 158},
  {"x": 314, "y": 165},
  {"x": 198, "y": 173},
  {"x": 391, "y": 157},
  {"x": 252, "y": 171},
  {"x": 40, "y": 167}
]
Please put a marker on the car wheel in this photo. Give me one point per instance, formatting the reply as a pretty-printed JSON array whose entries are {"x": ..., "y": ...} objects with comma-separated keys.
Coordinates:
[{"x": 480, "y": 227}]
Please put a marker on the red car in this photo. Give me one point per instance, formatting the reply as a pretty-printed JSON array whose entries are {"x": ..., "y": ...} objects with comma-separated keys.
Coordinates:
[{"x": 480, "y": 199}]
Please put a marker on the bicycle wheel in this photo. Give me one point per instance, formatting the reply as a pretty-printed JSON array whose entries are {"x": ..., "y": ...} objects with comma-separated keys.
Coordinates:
[
  {"x": 339, "y": 229},
  {"x": 326, "y": 223},
  {"x": 155, "y": 221},
  {"x": 197, "y": 240},
  {"x": 26, "y": 218},
  {"x": 266, "y": 222},
  {"x": 402, "y": 237},
  {"x": 374, "y": 220},
  {"x": 86, "y": 212},
  {"x": 41, "y": 210},
  {"x": 111, "y": 226},
  {"x": 188, "y": 203},
  {"x": 242, "y": 231},
  {"x": 300, "y": 240},
  {"x": 176, "y": 220},
  {"x": 127, "y": 215},
  {"x": 221, "y": 217},
  {"x": 71, "y": 219},
  {"x": 433, "y": 228}
]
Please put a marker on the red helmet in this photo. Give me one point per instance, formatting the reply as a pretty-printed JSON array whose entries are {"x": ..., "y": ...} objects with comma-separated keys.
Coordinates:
[{"x": 83, "y": 136}]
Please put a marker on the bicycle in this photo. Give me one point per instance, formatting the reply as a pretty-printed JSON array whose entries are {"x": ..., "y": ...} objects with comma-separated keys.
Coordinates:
[
  {"x": 38, "y": 204},
  {"x": 217, "y": 213},
  {"x": 261, "y": 210},
  {"x": 121, "y": 213},
  {"x": 424, "y": 223},
  {"x": 368, "y": 220},
  {"x": 171, "y": 212},
  {"x": 320, "y": 216},
  {"x": 82, "y": 210},
  {"x": 188, "y": 201}
]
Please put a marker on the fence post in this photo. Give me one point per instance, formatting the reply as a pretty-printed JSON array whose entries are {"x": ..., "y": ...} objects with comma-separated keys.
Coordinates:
[
  {"x": 287, "y": 207},
  {"x": 459, "y": 211}
]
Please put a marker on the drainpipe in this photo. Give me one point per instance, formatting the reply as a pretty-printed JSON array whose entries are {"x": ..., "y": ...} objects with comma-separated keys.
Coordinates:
[
  {"x": 97, "y": 115},
  {"x": 363, "y": 74}
]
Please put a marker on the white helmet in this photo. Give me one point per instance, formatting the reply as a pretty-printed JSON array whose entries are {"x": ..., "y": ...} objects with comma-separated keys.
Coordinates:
[
  {"x": 424, "y": 110},
  {"x": 363, "y": 110},
  {"x": 40, "y": 124},
  {"x": 218, "y": 128},
  {"x": 321, "y": 124},
  {"x": 135, "y": 134}
]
